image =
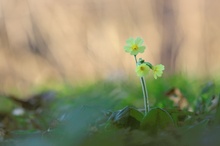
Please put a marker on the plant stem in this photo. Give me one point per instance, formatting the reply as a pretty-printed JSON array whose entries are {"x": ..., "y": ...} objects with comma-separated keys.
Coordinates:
[{"x": 145, "y": 93}]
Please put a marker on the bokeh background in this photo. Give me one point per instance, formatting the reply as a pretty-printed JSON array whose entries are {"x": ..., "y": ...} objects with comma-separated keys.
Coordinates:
[{"x": 76, "y": 41}]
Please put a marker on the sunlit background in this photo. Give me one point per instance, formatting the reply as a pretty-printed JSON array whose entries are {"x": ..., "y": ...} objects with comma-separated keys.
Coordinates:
[{"x": 82, "y": 40}]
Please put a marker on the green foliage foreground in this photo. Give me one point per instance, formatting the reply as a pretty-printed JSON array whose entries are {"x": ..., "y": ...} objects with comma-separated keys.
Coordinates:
[{"x": 106, "y": 114}]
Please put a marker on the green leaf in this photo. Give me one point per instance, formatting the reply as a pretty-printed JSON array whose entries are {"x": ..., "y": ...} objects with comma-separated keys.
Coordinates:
[
  {"x": 209, "y": 86},
  {"x": 136, "y": 114},
  {"x": 179, "y": 116},
  {"x": 217, "y": 114},
  {"x": 127, "y": 117},
  {"x": 194, "y": 133},
  {"x": 6, "y": 105},
  {"x": 156, "y": 119},
  {"x": 201, "y": 125}
]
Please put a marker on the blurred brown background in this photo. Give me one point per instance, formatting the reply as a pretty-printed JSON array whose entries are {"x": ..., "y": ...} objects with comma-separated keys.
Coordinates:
[{"x": 80, "y": 40}]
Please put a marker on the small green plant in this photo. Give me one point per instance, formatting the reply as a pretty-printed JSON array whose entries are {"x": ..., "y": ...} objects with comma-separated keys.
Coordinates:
[{"x": 135, "y": 46}]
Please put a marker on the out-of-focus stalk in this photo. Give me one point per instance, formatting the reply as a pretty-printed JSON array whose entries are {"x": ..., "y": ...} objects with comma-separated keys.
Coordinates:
[{"x": 145, "y": 93}]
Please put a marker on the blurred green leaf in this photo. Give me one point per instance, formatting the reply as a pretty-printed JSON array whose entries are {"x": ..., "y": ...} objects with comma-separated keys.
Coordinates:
[
  {"x": 193, "y": 134},
  {"x": 6, "y": 105},
  {"x": 136, "y": 114},
  {"x": 209, "y": 86},
  {"x": 156, "y": 119},
  {"x": 127, "y": 117},
  {"x": 179, "y": 116},
  {"x": 217, "y": 114}
]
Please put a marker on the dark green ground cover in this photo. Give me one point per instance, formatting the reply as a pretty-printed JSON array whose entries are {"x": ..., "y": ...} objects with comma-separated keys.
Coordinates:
[{"x": 110, "y": 113}]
